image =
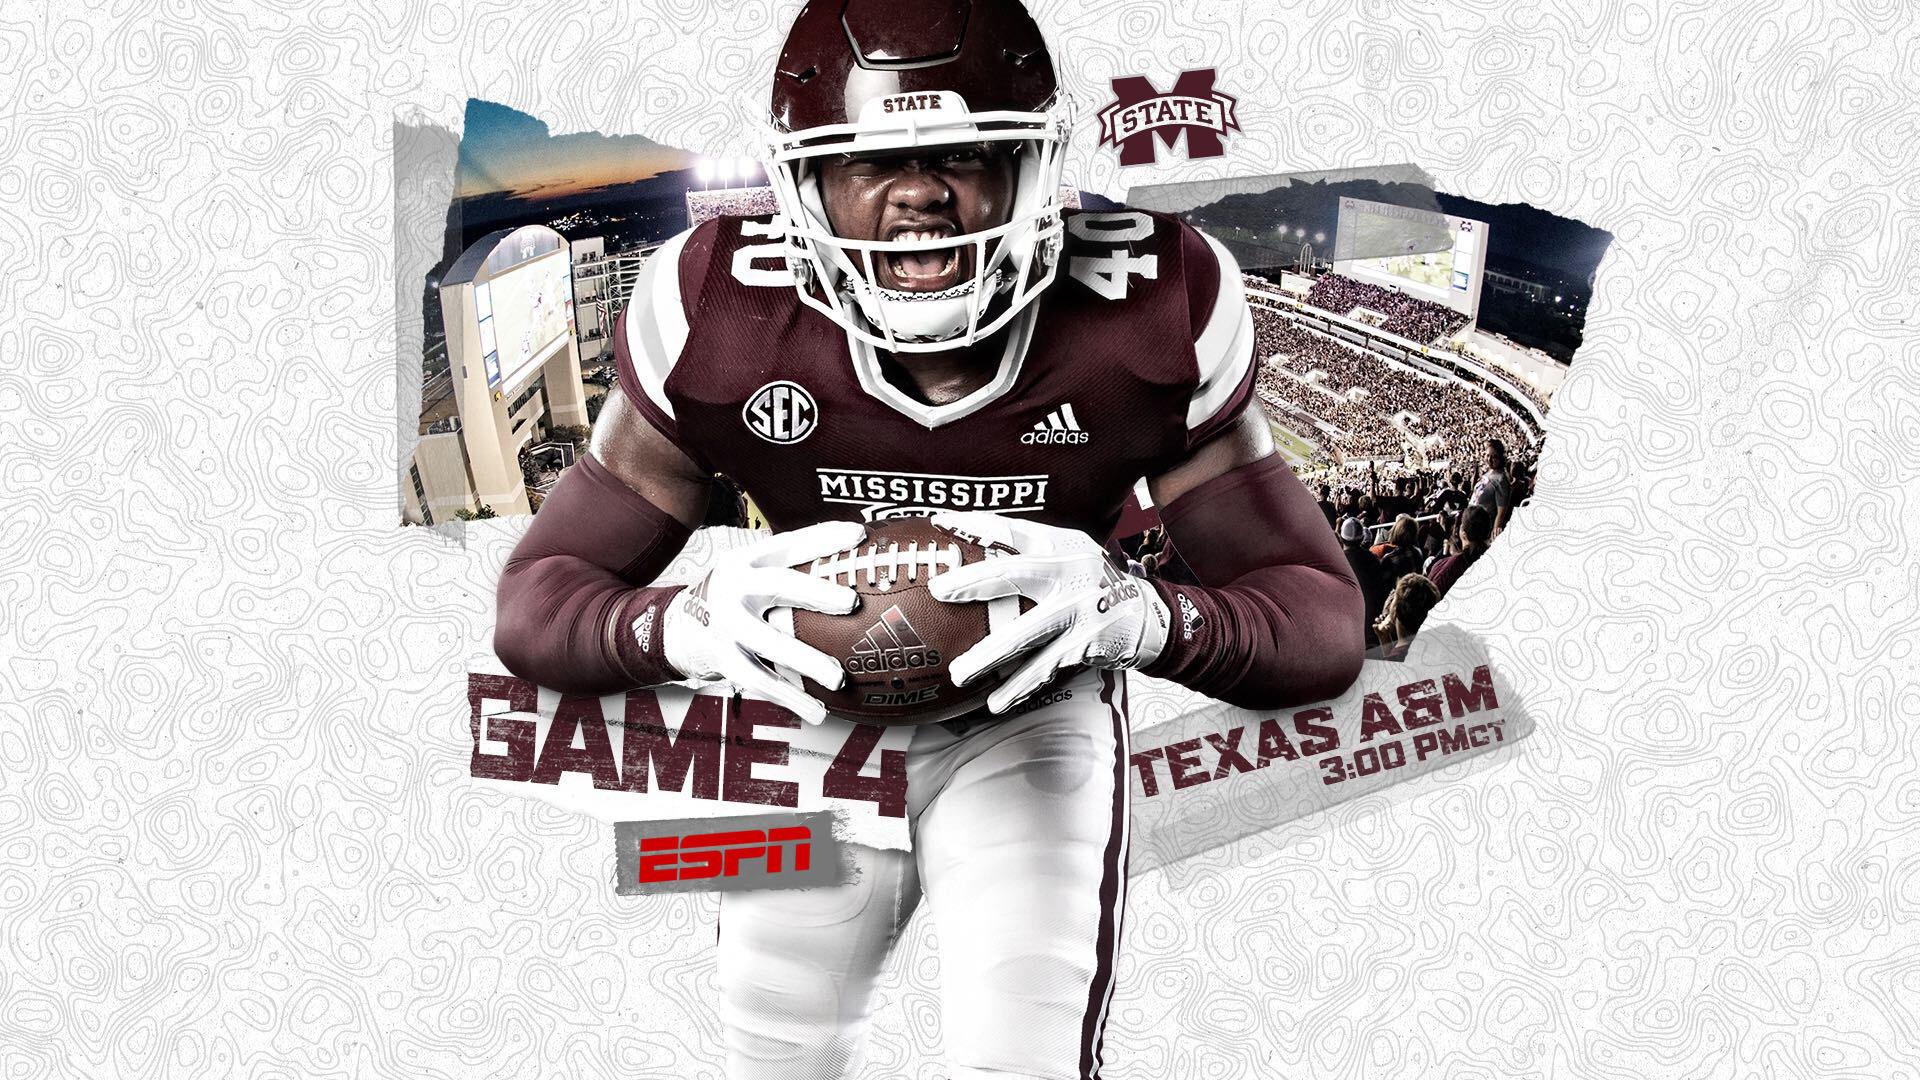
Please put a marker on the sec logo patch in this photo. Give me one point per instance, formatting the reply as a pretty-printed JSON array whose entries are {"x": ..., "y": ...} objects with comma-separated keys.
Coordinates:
[{"x": 781, "y": 412}]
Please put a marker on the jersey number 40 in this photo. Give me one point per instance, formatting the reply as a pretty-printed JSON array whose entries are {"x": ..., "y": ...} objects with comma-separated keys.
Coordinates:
[{"x": 1107, "y": 274}]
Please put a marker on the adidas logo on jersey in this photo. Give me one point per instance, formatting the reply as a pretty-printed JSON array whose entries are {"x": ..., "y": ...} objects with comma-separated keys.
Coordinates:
[
  {"x": 892, "y": 644},
  {"x": 1060, "y": 426}
]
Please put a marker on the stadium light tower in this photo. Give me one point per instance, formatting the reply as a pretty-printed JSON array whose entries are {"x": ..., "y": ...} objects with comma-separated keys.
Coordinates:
[
  {"x": 726, "y": 172},
  {"x": 704, "y": 170},
  {"x": 747, "y": 166}
]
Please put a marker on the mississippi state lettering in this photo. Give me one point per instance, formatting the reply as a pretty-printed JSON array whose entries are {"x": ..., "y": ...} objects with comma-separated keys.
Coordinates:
[
  {"x": 910, "y": 102},
  {"x": 897, "y": 494}
]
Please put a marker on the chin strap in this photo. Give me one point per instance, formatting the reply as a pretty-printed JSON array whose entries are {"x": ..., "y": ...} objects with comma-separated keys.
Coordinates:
[{"x": 997, "y": 282}]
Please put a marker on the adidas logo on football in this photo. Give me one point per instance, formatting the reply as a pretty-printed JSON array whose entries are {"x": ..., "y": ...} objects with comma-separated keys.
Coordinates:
[
  {"x": 1060, "y": 426},
  {"x": 892, "y": 644}
]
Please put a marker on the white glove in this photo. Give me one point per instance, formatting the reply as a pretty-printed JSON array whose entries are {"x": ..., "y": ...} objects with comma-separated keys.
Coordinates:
[
  {"x": 1086, "y": 609},
  {"x": 717, "y": 628}
]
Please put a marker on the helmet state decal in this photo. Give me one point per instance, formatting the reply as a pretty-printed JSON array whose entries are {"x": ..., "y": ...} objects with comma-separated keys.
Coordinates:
[{"x": 899, "y": 76}]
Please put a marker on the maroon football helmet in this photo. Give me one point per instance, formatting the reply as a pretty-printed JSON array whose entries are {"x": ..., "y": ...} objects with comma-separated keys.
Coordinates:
[{"x": 859, "y": 76}]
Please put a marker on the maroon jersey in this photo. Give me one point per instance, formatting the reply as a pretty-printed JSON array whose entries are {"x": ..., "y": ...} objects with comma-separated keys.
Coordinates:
[{"x": 1141, "y": 349}]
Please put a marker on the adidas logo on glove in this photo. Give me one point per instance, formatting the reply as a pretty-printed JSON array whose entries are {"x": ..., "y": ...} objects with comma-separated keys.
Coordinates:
[{"x": 1060, "y": 426}]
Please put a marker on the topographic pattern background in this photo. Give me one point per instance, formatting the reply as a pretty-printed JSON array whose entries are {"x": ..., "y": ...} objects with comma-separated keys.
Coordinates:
[{"x": 236, "y": 838}]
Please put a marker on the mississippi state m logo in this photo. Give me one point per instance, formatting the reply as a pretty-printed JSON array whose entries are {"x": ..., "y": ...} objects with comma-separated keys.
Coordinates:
[{"x": 1140, "y": 114}]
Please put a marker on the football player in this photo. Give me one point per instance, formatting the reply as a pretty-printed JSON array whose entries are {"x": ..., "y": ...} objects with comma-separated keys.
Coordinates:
[{"x": 923, "y": 329}]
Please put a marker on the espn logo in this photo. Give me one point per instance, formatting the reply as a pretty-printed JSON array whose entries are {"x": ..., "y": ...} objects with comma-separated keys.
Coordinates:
[
  {"x": 720, "y": 854},
  {"x": 753, "y": 851}
]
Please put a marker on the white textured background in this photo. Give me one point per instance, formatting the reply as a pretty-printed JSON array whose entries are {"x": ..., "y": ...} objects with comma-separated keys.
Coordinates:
[{"x": 235, "y": 834}]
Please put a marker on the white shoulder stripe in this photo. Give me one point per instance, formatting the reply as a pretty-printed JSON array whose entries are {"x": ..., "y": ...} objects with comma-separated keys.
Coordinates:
[
  {"x": 1224, "y": 350},
  {"x": 657, "y": 321}
]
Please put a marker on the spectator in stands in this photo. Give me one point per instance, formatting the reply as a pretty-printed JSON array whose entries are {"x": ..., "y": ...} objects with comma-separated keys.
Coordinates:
[
  {"x": 1492, "y": 492},
  {"x": 1169, "y": 565},
  {"x": 1450, "y": 498},
  {"x": 1368, "y": 513},
  {"x": 1476, "y": 529},
  {"x": 1402, "y": 501},
  {"x": 1433, "y": 541},
  {"x": 1326, "y": 503},
  {"x": 1420, "y": 320},
  {"x": 1373, "y": 580},
  {"x": 1406, "y": 609},
  {"x": 1156, "y": 556},
  {"x": 1378, "y": 543},
  {"x": 1400, "y": 554},
  {"x": 1522, "y": 476}
]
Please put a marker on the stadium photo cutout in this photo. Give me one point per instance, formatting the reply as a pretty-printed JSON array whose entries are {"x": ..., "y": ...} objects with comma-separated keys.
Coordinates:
[{"x": 1410, "y": 343}]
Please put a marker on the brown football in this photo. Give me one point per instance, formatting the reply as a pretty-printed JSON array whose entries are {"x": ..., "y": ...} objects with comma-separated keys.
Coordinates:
[{"x": 896, "y": 644}]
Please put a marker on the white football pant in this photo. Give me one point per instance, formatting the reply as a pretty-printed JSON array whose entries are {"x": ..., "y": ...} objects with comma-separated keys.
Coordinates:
[{"x": 1019, "y": 831}]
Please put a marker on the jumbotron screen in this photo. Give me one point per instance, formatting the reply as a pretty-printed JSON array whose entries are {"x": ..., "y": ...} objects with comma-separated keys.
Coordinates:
[
  {"x": 530, "y": 307},
  {"x": 1422, "y": 253}
]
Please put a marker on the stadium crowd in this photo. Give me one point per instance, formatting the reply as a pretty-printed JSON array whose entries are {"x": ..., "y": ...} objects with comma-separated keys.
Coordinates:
[
  {"x": 1416, "y": 320},
  {"x": 1408, "y": 533},
  {"x": 1416, "y": 475},
  {"x": 704, "y": 206},
  {"x": 1363, "y": 406}
]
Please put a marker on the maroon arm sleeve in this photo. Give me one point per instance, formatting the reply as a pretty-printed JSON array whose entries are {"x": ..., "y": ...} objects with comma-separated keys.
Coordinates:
[
  {"x": 571, "y": 593},
  {"x": 1278, "y": 618}
]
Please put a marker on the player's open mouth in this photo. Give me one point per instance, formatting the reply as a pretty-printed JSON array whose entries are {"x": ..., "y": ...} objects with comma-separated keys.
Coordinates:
[{"x": 923, "y": 271}]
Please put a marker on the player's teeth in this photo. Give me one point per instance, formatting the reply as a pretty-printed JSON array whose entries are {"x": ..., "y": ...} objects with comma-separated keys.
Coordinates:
[
  {"x": 921, "y": 264},
  {"x": 912, "y": 267}
]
